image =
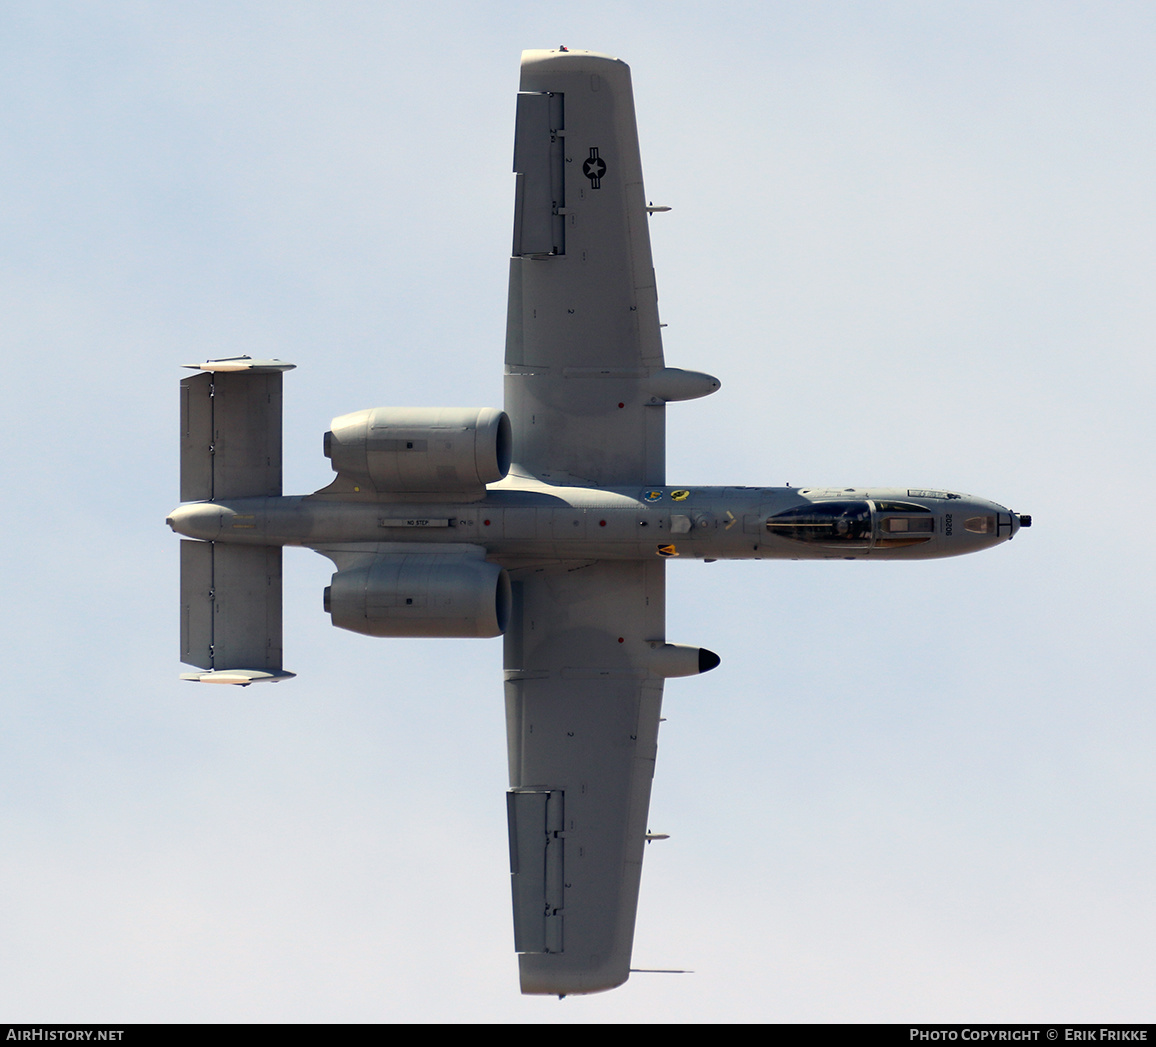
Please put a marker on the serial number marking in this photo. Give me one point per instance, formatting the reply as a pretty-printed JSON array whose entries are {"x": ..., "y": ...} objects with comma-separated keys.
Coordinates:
[{"x": 413, "y": 521}]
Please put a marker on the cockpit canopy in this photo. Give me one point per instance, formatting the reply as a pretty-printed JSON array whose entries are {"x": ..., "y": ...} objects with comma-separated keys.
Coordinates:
[
  {"x": 855, "y": 524},
  {"x": 846, "y": 524},
  {"x": 902, "y": 523}
]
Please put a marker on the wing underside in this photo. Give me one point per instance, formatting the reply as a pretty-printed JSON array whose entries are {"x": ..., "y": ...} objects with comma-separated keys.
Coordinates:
[
  {"x": 582, "y": 714},
  {"x": 585, "y": 392},
  {"x": 583, "y": 335}
]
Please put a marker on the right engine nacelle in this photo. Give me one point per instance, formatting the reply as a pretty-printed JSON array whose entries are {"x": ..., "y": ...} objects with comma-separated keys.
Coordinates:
[
  {"x": 422, "y": 450},
  {"x": 421, "y": 594}
]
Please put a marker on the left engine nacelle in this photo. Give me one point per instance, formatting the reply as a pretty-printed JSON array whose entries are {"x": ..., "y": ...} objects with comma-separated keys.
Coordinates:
[
  {"x": 421, "y": 594},
  {"x": 422, "y": 450}
]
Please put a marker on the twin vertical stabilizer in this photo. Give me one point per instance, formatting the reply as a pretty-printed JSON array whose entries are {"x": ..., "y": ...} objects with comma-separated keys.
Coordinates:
[{"x": 231, "y": 594}]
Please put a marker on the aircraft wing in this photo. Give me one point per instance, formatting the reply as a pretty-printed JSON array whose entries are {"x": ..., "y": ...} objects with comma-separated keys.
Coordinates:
[
  {"x": 582, "y": 713},
  {"x": 583, "y": 346}
]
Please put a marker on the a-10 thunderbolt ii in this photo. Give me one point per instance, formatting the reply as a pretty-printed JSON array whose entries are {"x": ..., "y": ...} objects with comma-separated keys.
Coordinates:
[{"x": 549, "y": 523}]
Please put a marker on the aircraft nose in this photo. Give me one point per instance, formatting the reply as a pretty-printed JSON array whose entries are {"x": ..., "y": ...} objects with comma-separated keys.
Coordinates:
[
  {"x": 975, "y": 524},
  {"x": 1007, "y": 523}
]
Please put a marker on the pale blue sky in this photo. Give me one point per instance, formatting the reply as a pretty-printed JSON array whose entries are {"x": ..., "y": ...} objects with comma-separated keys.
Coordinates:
[{"x": 915, "y": 241}]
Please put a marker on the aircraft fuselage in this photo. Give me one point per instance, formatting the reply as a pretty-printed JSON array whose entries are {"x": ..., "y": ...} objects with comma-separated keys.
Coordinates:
[{"x": 516, "y": 523}]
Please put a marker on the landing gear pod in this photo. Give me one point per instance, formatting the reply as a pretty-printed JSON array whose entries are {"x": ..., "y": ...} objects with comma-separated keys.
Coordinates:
[
  {"x": 422, "y": 450},
  {"x": 679, "y": 659}
]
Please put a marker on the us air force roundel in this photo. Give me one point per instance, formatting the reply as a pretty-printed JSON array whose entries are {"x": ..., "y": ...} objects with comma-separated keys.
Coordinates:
[{"x": 594, "y": 167}]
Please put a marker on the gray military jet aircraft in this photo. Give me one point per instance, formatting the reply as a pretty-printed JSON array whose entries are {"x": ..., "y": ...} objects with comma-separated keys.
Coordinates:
[{"x": 549, "y": 523}]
